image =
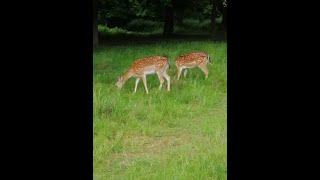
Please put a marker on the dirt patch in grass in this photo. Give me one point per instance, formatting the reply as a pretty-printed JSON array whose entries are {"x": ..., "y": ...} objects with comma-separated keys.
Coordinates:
[
  {"x": 157, "y": 144},
  {"x": 139, "y": 146}
]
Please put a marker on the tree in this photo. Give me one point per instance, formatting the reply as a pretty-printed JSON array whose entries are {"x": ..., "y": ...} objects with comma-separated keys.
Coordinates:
[
  {"x": 214, "y": 14},
  {"x": 118, "y": 13},
  {"x": 164, "y": 10},
  {"x": 218, "y": 8},
  {"x": 168, "y": 21},
  {"x": 223, "y": 9}
]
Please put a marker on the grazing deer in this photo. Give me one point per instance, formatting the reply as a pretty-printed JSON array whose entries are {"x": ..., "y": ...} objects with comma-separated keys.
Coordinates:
[
  {"x": 142, "y": 67},
  {"x": 191, "y": 60}
]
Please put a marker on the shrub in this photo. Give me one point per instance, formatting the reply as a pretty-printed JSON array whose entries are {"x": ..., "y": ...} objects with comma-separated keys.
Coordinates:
[{"x": 141, "y": 25}]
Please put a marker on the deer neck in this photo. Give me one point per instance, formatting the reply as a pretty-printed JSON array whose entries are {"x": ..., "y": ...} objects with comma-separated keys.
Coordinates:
[{"x": 126, "y": 76}]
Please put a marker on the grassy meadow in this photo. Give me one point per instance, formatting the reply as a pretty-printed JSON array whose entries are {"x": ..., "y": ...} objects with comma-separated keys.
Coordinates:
[{"x": 181, "y": 134}]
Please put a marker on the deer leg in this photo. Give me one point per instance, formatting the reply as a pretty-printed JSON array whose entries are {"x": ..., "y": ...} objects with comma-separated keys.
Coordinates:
[
  {"x": 160, "y": 76},
  {"x": 204, "y": 68},
  {"x": 144, "y": 79},
  {"x": 167, "y": 78},
  {"x": 135, "y": 88},
  {"x": 179, "y": 72},
  {"x": 185, "y": 72}
]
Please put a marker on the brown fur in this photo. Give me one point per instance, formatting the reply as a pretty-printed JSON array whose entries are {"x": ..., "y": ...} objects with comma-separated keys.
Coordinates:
[
  {"x": 142, "y": 67},
  {"x": 192, "y": 60}
]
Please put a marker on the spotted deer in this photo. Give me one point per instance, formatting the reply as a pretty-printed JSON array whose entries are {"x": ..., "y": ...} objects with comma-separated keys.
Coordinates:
[
  {"x": 142, "y": 67},
  {"x": 192, "y": 60}
]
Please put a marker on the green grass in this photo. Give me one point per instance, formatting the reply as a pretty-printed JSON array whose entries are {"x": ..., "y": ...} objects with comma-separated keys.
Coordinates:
[{"x": 181, "y": 134}]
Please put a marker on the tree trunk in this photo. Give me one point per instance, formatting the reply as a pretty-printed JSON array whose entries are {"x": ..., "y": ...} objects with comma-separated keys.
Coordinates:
[
  {"x": 179, "y": 16},
  {"x": 223, "y": 11},
  {"x": 213, "y": 17},
  {"x": 168, "y": 21},
  {"x": 95, "y": 23}
]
